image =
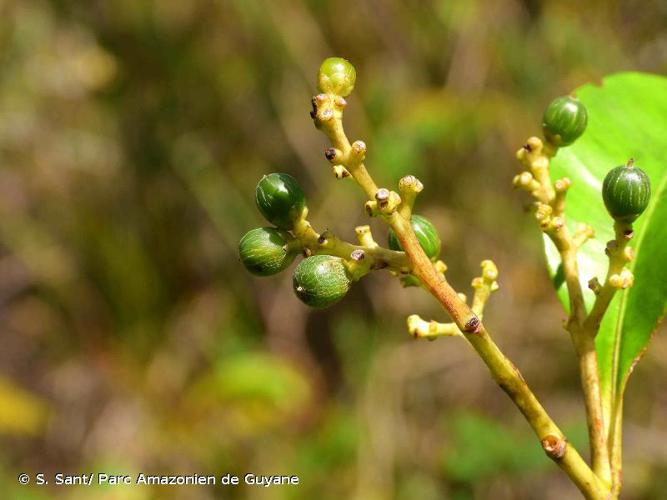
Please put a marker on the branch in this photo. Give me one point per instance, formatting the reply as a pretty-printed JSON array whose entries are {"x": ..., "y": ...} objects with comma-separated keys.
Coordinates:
[
  {"x": 618, "y": 278},
  {"x": 550, "y": 214},
  {"x": 327, "y": 114},
  {"x": 360, "y": 258},
  {"x": 483, "y": 285}
]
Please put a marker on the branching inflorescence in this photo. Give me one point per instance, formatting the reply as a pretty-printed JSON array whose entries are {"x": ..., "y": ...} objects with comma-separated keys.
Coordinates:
[{"x": 331, "y": 264}]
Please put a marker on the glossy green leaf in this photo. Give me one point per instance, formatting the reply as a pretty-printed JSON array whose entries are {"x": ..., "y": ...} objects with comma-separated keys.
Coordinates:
[{"x": 627, "y": 119}]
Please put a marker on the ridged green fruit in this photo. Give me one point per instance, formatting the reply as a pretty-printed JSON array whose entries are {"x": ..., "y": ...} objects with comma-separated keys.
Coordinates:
[
  {"x": 626, "y": 191},
  {"x": 280, "y": 199},
  {"x": 264, "y": 251},
  {"x": 336, "y": 76},
  {"x": 321, "y": 280},
  {"x": 564, "y": 120},
  {"x": 426, "y": 233}
]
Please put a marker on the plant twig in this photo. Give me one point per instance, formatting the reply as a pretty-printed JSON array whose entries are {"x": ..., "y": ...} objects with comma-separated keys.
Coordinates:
[
  {"x": 506, "y": 374},
  {"x": 483, "y": 285},
  {"x": 327, "y": 114},
  {"x": 373, "y": 255},
  {"x": 618, "y": 277},
  {"x": 550, "y": 214}
]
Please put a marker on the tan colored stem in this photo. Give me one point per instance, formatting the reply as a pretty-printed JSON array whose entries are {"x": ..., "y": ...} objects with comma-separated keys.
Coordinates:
[
  {"x": 502, "y": 369},
  {"x": 535, "y": 156},
  {"x": 377, "y": 257},
  {"x": 619, "y": 255},
  {"x": 617, "y": 260},
  {"x": 434, "y": 282},
  {"x": 327, "y": 115},
  {"x": 584, "y": 344},
  {"x": 483, "y": 285}
]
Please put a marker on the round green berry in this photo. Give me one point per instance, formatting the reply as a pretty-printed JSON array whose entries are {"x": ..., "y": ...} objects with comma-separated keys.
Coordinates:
[
  {"x": 280, "y": 199},
  {"x": 564, "y": 121},
  {"x": 264, "y": 251},
  {"x": 336, "y": 76},
  {"x": 426, "y": 233},
  {"x": 321, "y": 280},
  {"x": 626, "y": 191}
]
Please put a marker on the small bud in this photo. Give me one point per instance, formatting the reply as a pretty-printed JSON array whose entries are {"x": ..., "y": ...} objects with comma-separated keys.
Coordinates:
[
  {"x": 542, "y": 211},
  {"x": 340, "y": 102},
  {"x": 489, "y": 270},
  {"x": 382, "y": 195},
  {"x": 331, "y": 154},
  {"x": 629, "y": 254},
  {"x": 524, "y": 179},
  {"x": 627, "y": 278},
  {"x": 357, "y": 255},
  {"x": 440, "y": 266},
  {"x": 562, "y": 185},
  {"x": 357, "y": 152},
  {"x": 594, "y": 285},
  {"x": 616, "y": 281},
  {"x": 387, "y": 201},
  {"x": 340, "y": 172},
  {"x": 365, "y": 237},
  {"x": 410, "y": 183},
  {"x": 414, "y": 323},
  {"x": 336, "y": 76},
  {"x": 534, "y": 145},
  {"x": 623, "y": 280}
]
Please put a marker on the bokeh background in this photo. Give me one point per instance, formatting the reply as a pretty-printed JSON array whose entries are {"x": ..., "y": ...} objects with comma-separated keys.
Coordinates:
[{"x": 132, "y": 134}]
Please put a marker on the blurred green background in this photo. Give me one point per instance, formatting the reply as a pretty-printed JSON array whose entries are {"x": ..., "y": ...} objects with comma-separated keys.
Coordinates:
[{"x": 132, "y": 134}]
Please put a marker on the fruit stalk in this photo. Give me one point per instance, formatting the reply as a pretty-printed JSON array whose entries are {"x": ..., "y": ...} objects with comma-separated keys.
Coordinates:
[
  {"x": 327, "y": 114},
  {"x": 617, "y": 277},
  {"x": 503, "y": 371},
  {"x": 619, "y": 255},
  {"x": 550, "y": 206}
]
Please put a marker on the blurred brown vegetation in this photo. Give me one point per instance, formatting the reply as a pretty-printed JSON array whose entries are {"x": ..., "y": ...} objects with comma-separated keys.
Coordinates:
[{"x": 132, "y": 134}]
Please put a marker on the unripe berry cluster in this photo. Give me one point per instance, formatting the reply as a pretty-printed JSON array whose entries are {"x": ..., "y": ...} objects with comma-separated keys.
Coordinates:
[
  {"x": 325, "y": 276},
  {"x": 319, "y": 280}
]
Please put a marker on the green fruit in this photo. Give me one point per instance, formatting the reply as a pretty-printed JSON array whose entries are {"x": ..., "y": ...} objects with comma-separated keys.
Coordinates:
[
  {"x": 626, "y": 191},
  {"x": 336, "y": 76},
  {"x": 426, "y": 234},
  {"x": 564, "y": 121},
  {"x": 264, "y": 251},
  {"x": 321, "y": 280},
  {"x": 280, "y": 199}
]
